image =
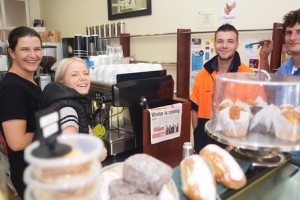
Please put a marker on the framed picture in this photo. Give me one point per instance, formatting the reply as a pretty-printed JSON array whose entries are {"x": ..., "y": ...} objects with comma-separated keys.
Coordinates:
[{"x": 118, "y": 9}]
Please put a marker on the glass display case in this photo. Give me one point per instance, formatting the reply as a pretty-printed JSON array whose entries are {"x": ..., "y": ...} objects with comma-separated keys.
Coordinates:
[{"x": 257, "y": 115}]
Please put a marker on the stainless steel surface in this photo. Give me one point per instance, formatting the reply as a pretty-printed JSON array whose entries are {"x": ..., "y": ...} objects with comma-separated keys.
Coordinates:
[
  {"x": 120, "y": 28},
  {"x": 259, "y": 158},
  {"x": 100, "y": 88},
  {"x": 119, "y": 135},
  {"x": 118, "y": 141},
  {"x": 253, "y": 141},
  {"x": 108, "y": 30}
]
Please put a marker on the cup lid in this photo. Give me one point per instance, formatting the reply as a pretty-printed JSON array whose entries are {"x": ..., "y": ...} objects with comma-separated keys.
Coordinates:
[{"x": 90, "y": 145}]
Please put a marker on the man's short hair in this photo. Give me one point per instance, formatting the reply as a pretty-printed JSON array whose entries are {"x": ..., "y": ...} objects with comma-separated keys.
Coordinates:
[
  {"x": 225, "y": 28},
  {"x": 290, "y": 19}
]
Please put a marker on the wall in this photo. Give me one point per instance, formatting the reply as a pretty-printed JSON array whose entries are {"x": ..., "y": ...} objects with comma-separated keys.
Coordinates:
[
  {"x": 34, "y": 9},
  {"x": 72, "y": 16}
]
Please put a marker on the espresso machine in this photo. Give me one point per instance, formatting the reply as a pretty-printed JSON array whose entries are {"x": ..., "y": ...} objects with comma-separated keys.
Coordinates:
[{"x": 118, "y": 107}]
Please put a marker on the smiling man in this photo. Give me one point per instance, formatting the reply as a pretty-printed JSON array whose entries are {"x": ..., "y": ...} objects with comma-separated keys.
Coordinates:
[
  {"x": 291, "y": 31},
  {"x": 226, "y": 60}
]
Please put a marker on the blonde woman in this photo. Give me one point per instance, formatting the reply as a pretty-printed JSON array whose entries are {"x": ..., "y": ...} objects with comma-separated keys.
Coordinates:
[{"x": 70, "y": 93}]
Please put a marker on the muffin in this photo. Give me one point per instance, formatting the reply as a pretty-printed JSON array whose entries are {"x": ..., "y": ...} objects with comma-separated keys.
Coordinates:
[
  {"x": 233, "y": 121},
  {"x": 287, "y": 123},
  {"x": 261, "y": 121}
]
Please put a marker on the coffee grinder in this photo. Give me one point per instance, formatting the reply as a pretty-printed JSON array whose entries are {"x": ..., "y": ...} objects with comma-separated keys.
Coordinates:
[{"x": 48, "y": 60}]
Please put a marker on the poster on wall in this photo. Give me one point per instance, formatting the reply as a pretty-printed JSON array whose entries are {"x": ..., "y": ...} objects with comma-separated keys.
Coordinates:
[
  {"x": 249, "y": 50},
  {"x": 228, "y": 12},
  {"x": 197, "y": 58},
  {"x": 209, "y": 19},
  {"x": 201, "y": 51}
]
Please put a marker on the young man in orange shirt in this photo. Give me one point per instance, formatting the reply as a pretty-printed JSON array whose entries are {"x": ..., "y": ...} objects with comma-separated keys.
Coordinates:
[{"x": 226, "y": 60}]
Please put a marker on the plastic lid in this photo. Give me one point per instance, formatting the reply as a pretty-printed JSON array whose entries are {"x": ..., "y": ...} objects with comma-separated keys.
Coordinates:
[{"x": 89, "y": 145}]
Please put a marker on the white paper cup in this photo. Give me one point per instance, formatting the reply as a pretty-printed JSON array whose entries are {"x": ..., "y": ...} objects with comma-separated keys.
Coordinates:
[
  {"x": 156, "y": 67},
  {"x": 100, "y": 73},
  {"x": 109, "y": 75},
  {"x": 133, "y": 68},
  {"x": 103, "y": 60},
  {"x": 95, "y": 59},
  {"x": 122, "y": 69}
]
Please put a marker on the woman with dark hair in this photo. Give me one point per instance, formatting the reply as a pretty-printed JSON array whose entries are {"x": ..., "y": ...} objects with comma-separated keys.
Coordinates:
[{"x": 19, "y": 99}]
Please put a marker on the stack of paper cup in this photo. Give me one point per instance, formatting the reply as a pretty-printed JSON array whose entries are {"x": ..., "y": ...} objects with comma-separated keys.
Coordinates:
[
  {"x": 71, "y": 176},
  {"x": 109, "y": 74}
]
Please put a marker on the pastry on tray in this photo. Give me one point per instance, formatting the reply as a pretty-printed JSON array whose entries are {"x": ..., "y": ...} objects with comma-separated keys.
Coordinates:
[
  {"x": 234, "y": 120},
  {"x": 286, "y": 123},
  {"x": 261, "y": 112},
  {"x": 146, "y": 173},
  {"x": 226, "y": 169},
  {"x": 197, "y": 179},
  {"x": 140, "y": 177}
]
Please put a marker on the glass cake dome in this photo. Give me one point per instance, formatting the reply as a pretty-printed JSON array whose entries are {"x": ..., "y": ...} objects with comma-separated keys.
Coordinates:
[{"x": 256, "y": 111}]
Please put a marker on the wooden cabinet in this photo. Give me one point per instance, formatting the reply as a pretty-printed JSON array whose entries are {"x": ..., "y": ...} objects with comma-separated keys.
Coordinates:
[
  {"x": 169, "y": 151},
  {"x": 183, "y": 62},
  {"x": 278, "y": 41}
]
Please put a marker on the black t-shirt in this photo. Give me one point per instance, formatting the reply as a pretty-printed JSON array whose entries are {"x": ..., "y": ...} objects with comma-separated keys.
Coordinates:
[{"x": 19, "y": 99}]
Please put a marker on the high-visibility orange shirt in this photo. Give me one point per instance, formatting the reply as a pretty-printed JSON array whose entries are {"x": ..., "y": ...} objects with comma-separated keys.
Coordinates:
[{"x": 203, "y": 89}]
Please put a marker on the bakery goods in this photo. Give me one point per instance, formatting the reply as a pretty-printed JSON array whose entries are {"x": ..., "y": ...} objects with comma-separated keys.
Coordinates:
[
  {"x": 287, "y": 124},
  {"x": 286, "y": 107},
  {"x": 146, "y": 173},
  {"x": 233, "y": 121},
  {"x": 197, "y": 179},
  {"x": 57, "y": 174},
  {"x": 292, "y": 117},
  {"x": 226, "y": 170},
  {"x": 106, "y": 178},
  {"x": 2, "y": 197},
  {"x": 136, "y": 196},
  {"x": 224, "y": 104},
  {"x": 112, "y": 174},
  {"x": 261, "y": 121},
  {"x": 119, "y": 187}
]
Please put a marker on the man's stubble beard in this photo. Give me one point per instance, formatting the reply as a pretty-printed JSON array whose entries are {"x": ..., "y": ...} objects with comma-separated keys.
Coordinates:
[{"x": 225, "y": 58}]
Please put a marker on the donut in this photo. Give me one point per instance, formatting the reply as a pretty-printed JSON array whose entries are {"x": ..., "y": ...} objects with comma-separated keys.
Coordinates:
[
  {"x": 226, "y": 170},
  {"x": 198, "y": 182}
]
